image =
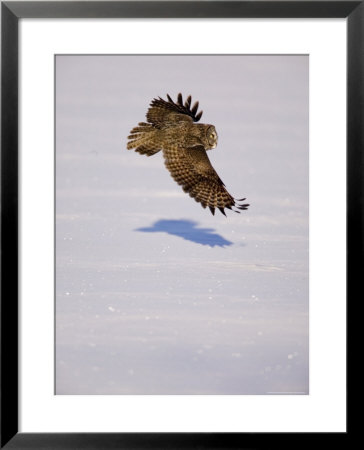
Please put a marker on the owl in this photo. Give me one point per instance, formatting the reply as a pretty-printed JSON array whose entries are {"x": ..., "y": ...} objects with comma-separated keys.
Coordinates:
[{"x": 172, "y": 127}]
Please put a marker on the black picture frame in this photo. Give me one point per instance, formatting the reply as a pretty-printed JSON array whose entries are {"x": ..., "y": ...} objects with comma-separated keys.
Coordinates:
[{"x": 11, "y": 12}]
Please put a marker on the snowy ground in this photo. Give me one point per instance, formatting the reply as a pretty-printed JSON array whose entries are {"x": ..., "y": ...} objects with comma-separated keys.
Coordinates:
[{"x": 154, "y": 295}]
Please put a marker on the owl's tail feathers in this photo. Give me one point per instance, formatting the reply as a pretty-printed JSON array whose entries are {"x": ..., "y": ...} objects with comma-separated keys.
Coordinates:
[{"x": 143, "y": 139}]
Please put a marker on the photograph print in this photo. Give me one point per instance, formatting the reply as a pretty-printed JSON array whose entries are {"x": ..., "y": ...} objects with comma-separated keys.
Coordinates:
[{"x": 182, "y": 224}]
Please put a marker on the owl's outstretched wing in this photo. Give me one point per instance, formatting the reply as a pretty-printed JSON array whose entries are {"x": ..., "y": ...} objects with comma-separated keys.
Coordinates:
[
  {"x": 164, "y": 113},
  {"x": 192, "y": 169}
]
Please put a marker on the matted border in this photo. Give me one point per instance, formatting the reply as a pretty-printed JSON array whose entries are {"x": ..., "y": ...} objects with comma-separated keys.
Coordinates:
[{"x": 11, "y": 13}]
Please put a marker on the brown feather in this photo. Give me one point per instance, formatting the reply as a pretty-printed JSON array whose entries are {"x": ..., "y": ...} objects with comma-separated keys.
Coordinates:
[{"x": 170, "y": 127}]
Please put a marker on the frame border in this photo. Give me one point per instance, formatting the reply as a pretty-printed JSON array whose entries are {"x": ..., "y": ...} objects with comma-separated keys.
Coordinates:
[{"x": 11, "y": 12}]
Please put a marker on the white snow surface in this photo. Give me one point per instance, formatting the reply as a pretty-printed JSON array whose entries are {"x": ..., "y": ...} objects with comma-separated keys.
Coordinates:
[{"x": 154, "y": 295}]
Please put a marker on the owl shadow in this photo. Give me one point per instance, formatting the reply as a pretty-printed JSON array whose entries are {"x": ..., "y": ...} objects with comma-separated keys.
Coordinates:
[{"x": 187, "y": 229}]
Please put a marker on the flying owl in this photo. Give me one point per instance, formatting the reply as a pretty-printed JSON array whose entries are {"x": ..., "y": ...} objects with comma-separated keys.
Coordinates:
[{"x": 172, "y": 127}]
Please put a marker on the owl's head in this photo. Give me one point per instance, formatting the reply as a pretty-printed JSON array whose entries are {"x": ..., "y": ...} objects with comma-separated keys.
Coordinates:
[{"x": 211, "y": 136}]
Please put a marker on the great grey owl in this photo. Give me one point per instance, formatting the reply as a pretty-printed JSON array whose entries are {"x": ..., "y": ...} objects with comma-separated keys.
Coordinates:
[{"x": 171, "y": 127}]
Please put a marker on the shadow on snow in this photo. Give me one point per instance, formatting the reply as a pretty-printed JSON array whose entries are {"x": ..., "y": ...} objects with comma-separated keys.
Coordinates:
[{"x": 187, "y": 229}]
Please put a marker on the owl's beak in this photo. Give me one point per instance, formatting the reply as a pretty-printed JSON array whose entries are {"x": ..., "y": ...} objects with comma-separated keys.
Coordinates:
[{"x": 216, "y": 140}]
